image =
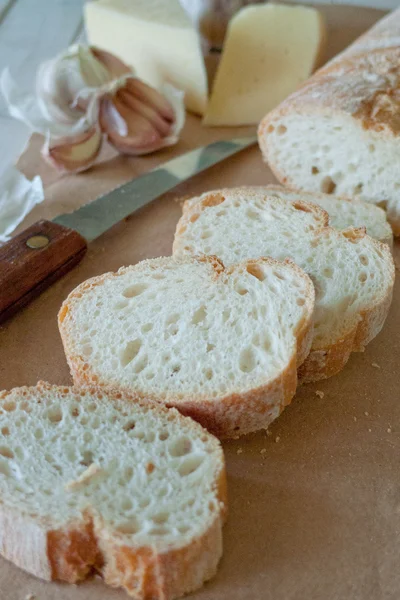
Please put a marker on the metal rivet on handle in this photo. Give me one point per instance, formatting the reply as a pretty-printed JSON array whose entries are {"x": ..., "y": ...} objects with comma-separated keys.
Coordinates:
[{"x": 37, "y": 241}]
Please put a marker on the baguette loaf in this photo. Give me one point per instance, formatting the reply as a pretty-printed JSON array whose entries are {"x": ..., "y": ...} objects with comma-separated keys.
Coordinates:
[
  {"x": 98, "y": 480},
  {"x": 343, "y": 212},
  {"x": 353, "y": 274},
  {"x": 340, "y": 132},
  {"x": 221, "y": 345}
]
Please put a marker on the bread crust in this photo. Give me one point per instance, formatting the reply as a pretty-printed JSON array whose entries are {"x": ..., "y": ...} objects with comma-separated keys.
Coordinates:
[
  {"x": 324, "y": 362},
  {"x": 71, "y": 552},
  {"x": 234, "y": 413},
  {"x": 361, "y": 84}
]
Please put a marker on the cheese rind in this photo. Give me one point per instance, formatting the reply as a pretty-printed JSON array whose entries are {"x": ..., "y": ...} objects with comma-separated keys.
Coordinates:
[
  {"x": 269, "y": 50},
  {"x": 156, "y": 38}
]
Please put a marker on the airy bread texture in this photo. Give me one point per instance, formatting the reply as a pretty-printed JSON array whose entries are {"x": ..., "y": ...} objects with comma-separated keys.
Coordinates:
[
  {"x": 340, "y": 132},
  {"x": 343, "y": 212},
  {"x": 353, "y": 274},
  {"x": 221, "y": 345},
  {"x": 100, "y": 480}
]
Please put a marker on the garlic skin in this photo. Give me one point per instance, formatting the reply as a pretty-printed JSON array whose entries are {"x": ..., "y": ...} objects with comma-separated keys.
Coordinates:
[
  {"x": 64, "y": 84},
  {"x": 85, "y": 95}
]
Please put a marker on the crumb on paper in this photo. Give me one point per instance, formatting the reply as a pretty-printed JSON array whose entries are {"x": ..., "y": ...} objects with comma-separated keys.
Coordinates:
[
  {"x": 30, "y": 597},
  {"x": 239, "y": 451},
  {"x": 319, "y": 393},
  {"x": 366, "y": 413},
  {"x": 277, "y": 439},
  {"x": 83, "y": 478},
  {"x": 263, "y": 450},
  {"x": 354, "y": 419},
  {"x": 389, "y": 430},
  {"x": 268, "y": 432},
  {"x": 370, "y": 430},
  {"x": 376, "y": 366},
  {"x": 182, "y": 199},
  {"x": 236, "y": 437},
  {"x": 150, "y": 467}
]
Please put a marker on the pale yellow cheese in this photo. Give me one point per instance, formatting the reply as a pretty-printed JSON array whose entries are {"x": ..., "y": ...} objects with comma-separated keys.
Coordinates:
[
  {"x": 157, "y": 38},
  {"x": 269, "y": 49}
]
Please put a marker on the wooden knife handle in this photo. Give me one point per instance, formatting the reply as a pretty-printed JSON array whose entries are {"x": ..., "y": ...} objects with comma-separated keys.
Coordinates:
[{"x": 33, "y": 260}]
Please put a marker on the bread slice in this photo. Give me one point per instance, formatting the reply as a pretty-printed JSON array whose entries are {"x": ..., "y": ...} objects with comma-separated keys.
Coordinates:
[
  {"x": 343, "y": 212},
  {"x": 221, "y": 345},
  {"x": 339, "y": 133},
  {"x": 353, "y": 274},
  {"x": 100, "y": 480}
]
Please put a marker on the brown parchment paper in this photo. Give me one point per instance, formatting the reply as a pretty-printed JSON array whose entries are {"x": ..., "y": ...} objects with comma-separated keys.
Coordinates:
[{"x": 317, "y": 515}]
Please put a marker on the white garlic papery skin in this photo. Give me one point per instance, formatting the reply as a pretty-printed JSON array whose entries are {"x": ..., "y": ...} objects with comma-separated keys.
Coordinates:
[
  {"x": 75, "y": 93},
  {"x": 211, "y": 18},
  {"x": 65, "y": 84}
]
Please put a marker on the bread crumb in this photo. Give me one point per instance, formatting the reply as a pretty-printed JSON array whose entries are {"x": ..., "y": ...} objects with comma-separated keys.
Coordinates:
[
  {"x": 236, "y": 437},
  {"x": 30, "y": 597},
  {"x": 150, "y": 467},
  {"x": 370, "y": 430},
  {"x": 389, "y": 430},
  {"x": 268, "y": 432},
  {"x": 354, "y": 419},
  {"x": 366, "y": 414},
  {"x": 239, "y": 451},
  {"x": 277, "y": 439},
  {"x": 376, "y": 366},
  {"x": 83, "y": 478},
  {"x": 263, "y": 450},
  {"x": 182, "y": 199},
  {"x": 319, "y": 394}
]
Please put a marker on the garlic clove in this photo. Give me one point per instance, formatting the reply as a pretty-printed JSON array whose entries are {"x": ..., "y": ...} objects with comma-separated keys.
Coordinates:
[
  {"x": 162, "y": 125},
  {"x": 75, "y": 154},
  {"x": 128, "y": 131},
  {"x": 151, "y": 97}
]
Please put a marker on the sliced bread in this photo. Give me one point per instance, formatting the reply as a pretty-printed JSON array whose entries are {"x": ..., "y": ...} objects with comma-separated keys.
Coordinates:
[
  {"x": 98, "y": 480},
  {"x": 343, "y": 212},
  {"x": 353, "y": 274},
  {"x": 221, "y": 345}
]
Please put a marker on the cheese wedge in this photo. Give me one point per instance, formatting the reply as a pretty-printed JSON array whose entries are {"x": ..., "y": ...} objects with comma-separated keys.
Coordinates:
[
  {"x": 155, "y": 37},
  {"x": 269, "y": 50}
]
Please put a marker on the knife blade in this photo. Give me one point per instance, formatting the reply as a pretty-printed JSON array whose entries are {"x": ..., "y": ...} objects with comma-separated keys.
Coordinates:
[{"x": 44, "y": 252}]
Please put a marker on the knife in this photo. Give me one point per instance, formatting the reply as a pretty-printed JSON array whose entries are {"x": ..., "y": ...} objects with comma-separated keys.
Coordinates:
[{"x": 44, "y": 252}]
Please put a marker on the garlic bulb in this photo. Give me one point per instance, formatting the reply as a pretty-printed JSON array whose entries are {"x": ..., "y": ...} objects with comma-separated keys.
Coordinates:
[
  {"x": 86, "y": 94},
  {"x": 211, "y": 18}
]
